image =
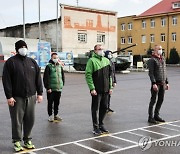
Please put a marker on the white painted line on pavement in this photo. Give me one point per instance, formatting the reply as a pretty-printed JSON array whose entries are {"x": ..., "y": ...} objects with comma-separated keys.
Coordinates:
[
  {"x": 119, "y": 138},
  {"x": 89, "y": 148},
  {"x": 47, "y": 147},
  {"x": 136, "y": 134},
  {"x": 59, "y": 151},
  {"x": 108, "y": 144},
  {"x": 174, "y": 125},
  {"x": 133, "y": 146},
  {"x": 154, "y": 132},
  {"x": 169, "y": 128}
]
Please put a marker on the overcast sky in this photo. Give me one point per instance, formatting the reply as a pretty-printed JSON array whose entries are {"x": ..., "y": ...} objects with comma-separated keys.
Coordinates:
[{"x": 11, "y": 11}]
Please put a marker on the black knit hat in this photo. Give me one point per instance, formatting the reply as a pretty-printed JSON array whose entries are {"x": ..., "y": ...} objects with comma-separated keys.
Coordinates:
[{"x": 19, "y": 44}]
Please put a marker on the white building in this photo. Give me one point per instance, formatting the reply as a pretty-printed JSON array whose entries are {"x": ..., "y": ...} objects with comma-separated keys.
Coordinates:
[{"x": 79, "y": 29}]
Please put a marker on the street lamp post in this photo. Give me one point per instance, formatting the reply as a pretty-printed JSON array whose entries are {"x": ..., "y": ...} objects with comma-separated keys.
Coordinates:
[
  {"x": 24, "y": 36},
  {"x": 39, "y": 22},
  {"x": 57, "y": 29}
]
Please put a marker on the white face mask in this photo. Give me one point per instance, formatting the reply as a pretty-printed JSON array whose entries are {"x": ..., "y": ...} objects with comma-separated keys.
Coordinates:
[
  {"x": 160, "y": 52},
  {"x": 23, "y": 51},
  {"x": 55, "y": 60},
  {"x": 100, "y": 53},
  {"x": 110, "y": 56}
]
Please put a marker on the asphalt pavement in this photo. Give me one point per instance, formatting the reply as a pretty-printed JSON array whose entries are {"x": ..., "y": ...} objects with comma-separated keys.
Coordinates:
[{"x": 128, "y": 126}]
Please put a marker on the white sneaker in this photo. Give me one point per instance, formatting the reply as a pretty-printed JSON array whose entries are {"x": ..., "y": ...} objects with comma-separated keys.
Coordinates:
[
  {"x": 51, "y": 118},
  {"x": 58, "y": 118}
]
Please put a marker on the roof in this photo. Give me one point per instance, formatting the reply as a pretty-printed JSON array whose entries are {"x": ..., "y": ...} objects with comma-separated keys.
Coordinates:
[{"x": 163, "y": 7}]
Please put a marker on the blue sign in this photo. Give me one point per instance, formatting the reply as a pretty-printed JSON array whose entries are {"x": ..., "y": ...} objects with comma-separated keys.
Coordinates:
[
  {"x": 44, "y": 51},
  {"x": 34, "y": 55},
  {"x": 66, "y": 58}
]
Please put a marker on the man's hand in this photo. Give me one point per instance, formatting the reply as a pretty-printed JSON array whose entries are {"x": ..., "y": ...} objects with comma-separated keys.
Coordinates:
[
  {"x": 155, "y": 87},
  {"x": 39, "y": 98},
  {"x": 167, "y": 87},
  {"x": 49, "y": 90},
  {"x": 110, "y": 91},
  {"x": 93, "y": 92},
  {"x": 114, "y": 84},
  {"x": 11, "y": 101}
]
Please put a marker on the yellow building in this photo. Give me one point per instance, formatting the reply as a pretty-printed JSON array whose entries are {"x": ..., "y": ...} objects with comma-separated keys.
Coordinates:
[{"x": 158, "y": 25}]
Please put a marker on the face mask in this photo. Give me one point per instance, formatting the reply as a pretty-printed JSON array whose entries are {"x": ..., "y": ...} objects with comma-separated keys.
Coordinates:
[
  {"x": 23, "y": 51},
  {"x": 110, "y": 56},
  {"x": 160, "y": 52},
  {"x": 100, "y": 53},
  {"x": 55, "y": 60}
]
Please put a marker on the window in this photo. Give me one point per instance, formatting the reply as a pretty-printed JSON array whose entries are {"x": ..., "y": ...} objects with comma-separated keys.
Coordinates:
[
  {"x": 122, "y": 27},
  {"x": 123, "y": 40},
  {"x": 143, "y": 24},
  {"x": 152, "y": 39},
  {"x": 129, "y": 26},
  {"x": 174, "y": 20},
  {"x": 162, "y": 37},
  {"x": 152, "y": 23},
  {"x": 143, "y": 38},
  {"x": 176, "y": 5},
  {"x": 130, "y": 40},
  {"x": 174, "y": 37},
  {"x": 82, "y": 37},
  {"x": 163, "y": 22},
  {"x": 100, "y": 38}
]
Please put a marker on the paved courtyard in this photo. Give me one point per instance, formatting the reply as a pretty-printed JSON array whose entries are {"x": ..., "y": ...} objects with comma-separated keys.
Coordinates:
[{"x": 129, "y": 130}]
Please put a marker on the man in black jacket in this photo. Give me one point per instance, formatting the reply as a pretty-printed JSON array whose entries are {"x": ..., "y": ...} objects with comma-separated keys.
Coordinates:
[
  {"x": 21, "y": 80},
  {"x": 159, "y": 83}
]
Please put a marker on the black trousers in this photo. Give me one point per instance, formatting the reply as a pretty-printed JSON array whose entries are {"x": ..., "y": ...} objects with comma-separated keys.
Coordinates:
[
  {"x": 157, "y": 98},
  {"x": 53, "y": 102},
  {"x": 99, "y": 106},
  {"x": 108, "y": 104}
]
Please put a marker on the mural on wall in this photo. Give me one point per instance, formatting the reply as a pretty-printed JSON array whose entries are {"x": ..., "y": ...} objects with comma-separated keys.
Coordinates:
[{"x": 89, "y": 25}]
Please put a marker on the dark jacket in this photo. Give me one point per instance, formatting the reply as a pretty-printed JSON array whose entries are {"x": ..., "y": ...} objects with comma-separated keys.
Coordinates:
[
  {"x": 98, "y": 74},
  {"x": 21, "y": 77},
  {"x": 157, "y": 70},
  {"x": 54, "y": 77}
]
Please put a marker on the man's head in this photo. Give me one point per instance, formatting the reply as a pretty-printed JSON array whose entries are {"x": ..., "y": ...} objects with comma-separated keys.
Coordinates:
[
  {"x": 98, "y": 49},
  {"x": 108, "y": 54},
  {"x": 54, "y": 57},
  {"x": 158, "y": 49},
  {"x": 21, "y": 47}
]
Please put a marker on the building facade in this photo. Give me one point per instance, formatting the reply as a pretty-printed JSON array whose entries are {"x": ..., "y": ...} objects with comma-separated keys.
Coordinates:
[
  {"x": 79, "y": 29},
  {"x": 158, "y": 25}
]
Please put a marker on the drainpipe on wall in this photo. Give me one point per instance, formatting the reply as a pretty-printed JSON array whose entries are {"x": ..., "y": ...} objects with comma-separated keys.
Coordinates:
[{"x": 168, "y": 37}]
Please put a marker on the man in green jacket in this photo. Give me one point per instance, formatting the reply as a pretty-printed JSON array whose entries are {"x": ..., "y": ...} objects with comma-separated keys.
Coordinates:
[
  {"x": 53, "y": 81},
  {"x": 98, "y": 78}
]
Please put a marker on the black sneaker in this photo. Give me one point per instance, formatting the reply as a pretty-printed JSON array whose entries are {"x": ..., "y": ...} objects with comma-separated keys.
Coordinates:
[
  {"x": 97, "y": 131},
  {"x": 157, "y": 118},
  {"x": 103, "y": 129},
  {"x": 152, "y": 120}
]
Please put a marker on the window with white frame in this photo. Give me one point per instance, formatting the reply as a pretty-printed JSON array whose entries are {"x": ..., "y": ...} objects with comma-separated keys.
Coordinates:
[
  {"x": 130, "y": 26},
  {"x": 152, "y": 23},
  {"x": 123, "y": 40},
  {"x": 176, "y": 5},
  {"x": 174, "y": 37},
  {"x": 174, "y": 20},
  {"x": 82, "y": 37},
  {"x": 122, "y": 27},
  {"x": 143, "y": 24},
  {"x": 129, "y": 39},
  {"x": 152, "y": 38},
  {"x": 143, "y": 38},
  {"x": 163, "y": 38},
  {"x": 101, "y": 38},
  {"x": 163, "y": 22}
]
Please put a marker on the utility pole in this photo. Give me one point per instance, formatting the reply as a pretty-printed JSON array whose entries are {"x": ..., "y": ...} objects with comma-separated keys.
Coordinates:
[
  {"x": 39, "y": 22},
  {"x": 24, "y": 36},
  {"x": 77, "y": 2}
]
